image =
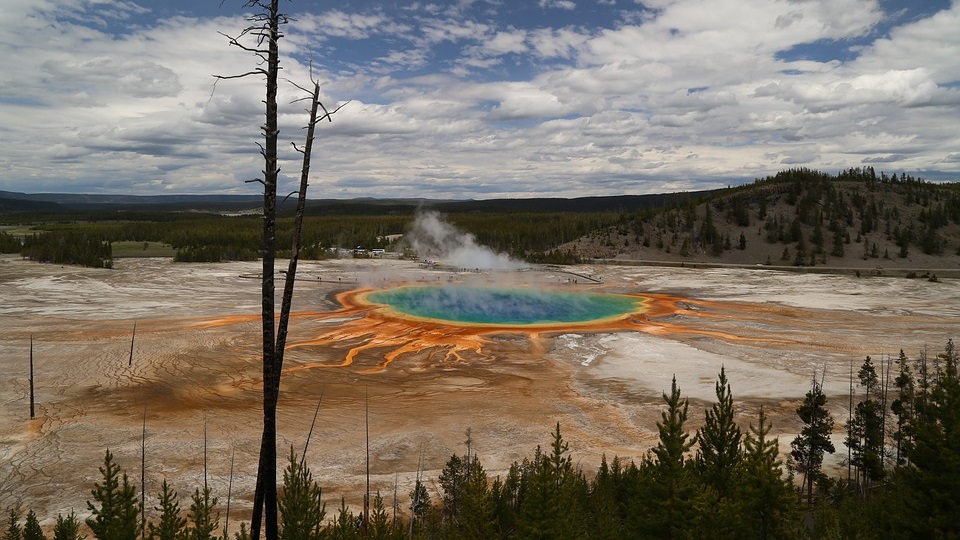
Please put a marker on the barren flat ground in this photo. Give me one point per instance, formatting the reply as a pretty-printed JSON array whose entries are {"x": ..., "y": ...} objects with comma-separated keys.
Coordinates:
[{"x": 196, "y": 367}]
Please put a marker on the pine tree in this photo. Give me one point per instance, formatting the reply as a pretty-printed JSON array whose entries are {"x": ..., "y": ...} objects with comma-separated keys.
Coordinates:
[
  {"x": 452, "y": 479},
  {"x": 419, "y": 500},
  {"x": 537, "y": 509},
  {"x": 553, "y": 496},
  {"x": 31, "y": 528},
  {"x": 865, "y": 431},
  {"x": 203, "y": 520},
  {"x": 118, "y": 515},
  {"x": 814, "y": 438},
  {"x": 902, "y": 407},
  {"x": 242, "y": 534},
  {"x": 672, "y": 444},
  {"x": 507, "y": 495},
  {"x": 346, "y": 526},
  {"x": 718, "y": 466},
  {"x": 605, "y": 509},
  {"x": 14, "y": 529},
  {"x": 664, "y": 509},
  {"x": 932, "y": 480},
  {"x": 571, "y": 488},
  {"x": 477, "y": 517},
  {"x": 301, "y": 510},
  {"x": 770, "y": 508},
  {"x": 171, "y": 525},
  {"x": 381, "y": 527},
  {"x": 719, "y": 455},
  {"x": 67, "y": 528}
]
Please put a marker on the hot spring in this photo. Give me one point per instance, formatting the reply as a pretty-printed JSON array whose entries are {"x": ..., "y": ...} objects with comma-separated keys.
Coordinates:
[{"x": 504, "y": 305}]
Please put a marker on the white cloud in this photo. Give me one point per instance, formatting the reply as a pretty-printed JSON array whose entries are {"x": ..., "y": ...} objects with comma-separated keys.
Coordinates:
[
  {"x": 557, "y": 4},
  {"x": 933, "y": 43},
  {"x": 451, "y": 101},
  {"x": 909, "y": 88},
  {"x": 556, "y": 43}
]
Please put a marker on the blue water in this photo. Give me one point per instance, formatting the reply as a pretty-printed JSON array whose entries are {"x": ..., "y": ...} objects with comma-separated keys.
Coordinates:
[{"x": 508, "y": 306}]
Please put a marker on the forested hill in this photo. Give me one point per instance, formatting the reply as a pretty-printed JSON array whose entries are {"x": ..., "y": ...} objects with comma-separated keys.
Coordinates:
[
  {"x": 12, "y": 202},
  {"x": 798, "y": 217}
]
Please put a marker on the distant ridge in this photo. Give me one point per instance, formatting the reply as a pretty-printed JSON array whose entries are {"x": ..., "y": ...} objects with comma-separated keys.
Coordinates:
[
  {"x": 15, "y": 202},
  {"x": 9, "y": 205}
]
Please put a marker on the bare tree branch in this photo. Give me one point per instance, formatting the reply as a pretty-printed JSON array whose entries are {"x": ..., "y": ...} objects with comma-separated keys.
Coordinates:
[{"x": 265, "y": 32}]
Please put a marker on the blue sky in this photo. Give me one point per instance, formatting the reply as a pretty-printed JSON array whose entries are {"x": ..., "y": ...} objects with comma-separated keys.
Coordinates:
[{"x": 480, "y": 98}]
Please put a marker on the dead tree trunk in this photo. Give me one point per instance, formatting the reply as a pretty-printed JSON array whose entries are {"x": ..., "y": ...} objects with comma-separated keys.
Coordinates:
[
  {"x": 132, "y": 340},
  {"x": 143, "y": 470},
  {"x": 32, "y": 402},
  {"x": 266, "y": 30}
]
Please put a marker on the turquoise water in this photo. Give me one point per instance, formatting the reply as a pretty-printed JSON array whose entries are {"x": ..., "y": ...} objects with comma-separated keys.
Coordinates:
[{"x": 508, "y": 306}]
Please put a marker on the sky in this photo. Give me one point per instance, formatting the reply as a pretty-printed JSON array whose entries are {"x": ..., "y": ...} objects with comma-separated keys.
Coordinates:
[{"x": 478, "y": 98}]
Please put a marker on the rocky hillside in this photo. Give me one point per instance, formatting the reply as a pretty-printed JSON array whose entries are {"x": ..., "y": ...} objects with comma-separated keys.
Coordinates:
[{"x": 856, "y": 219}]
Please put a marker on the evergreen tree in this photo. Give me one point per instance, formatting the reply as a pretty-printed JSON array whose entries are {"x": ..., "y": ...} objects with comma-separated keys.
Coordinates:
[
  {"x": 203, "y": 520},
  {"x": 31, "y": 528},
  {"x": 902, "y": 406},
  {"x": 808, "y": 448},
  {"x": 800, "y": 258},
  {"x": 770, "y": 508},
  {"x": 301, "y": 510},
  {"x": 14, "y": 529},
  {"x": 818, "y": 239},
  {"x": 537, "y": 510},
  {"x": 67, "y": 528},
  {"x": 931, "y": 482},
  {"x": 553, "y": 503},
  {"x": 719, "y": 455},
  {"x": 242, "y": 534},
  {"x": 665, "y": 508},
  {"x": 116, "y": 507},
  {"x": 381, "y": 526},
  {"x": 346, "y": 526},
  {"x": 507, "y": 495},
  {"x": 477, "y": 517},
  {"x": 865, "y": 431},
  {"x": 606, "y": 511},
  {"x": 838, "y": 241},
  {"x": 171, "y": 525},
  {"x": 452, "y": 479},
  {"x": 718, "y": 466},
  {"x": 571, "y": 486},
  {"x": 419, "y": 500}
]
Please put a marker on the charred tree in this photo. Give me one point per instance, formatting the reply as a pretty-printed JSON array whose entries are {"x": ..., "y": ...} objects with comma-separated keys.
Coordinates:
[
  {"x": 32, "y": 401},
  {"x": 264, "y": 30},
  {"x": 133, "y": 338}
]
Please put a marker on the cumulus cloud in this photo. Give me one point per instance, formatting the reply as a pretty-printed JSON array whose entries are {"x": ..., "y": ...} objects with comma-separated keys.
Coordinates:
[
  {"x": 481, "y": 98},
  {"x": 909, "y": 88},
  {"x": 557, "y": 4}
]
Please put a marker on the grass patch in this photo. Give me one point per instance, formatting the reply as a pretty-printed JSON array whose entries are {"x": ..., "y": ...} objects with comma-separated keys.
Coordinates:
[
  {"x": 127, "y": 249},
  {"x": 20, "y": 231}
]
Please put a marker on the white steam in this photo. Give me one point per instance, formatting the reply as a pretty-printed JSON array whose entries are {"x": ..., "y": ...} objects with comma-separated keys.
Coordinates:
[{"x": 432, "y": 238}]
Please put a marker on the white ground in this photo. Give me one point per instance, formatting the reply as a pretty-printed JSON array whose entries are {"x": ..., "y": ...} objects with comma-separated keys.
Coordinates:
[{"x": 770, "y": 330}]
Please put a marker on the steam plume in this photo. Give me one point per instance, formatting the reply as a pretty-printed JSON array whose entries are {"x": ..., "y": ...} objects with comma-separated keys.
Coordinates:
[{"x": 433, "y": 238}]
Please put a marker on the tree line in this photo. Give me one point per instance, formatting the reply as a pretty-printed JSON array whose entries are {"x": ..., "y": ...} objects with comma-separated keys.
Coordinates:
[
  {"x": 723, "y": 480},
  {"x": 523, "y": 235},
  {"x": 809, "y": 216},
  {"x": 81, "y": 247}
]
